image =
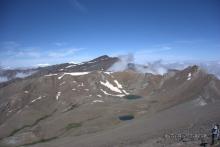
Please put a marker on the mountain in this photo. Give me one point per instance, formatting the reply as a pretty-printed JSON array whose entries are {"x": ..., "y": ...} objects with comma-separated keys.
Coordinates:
[
  {"x": 87, "y": 105},
  {"x": 100, "y": 63}
]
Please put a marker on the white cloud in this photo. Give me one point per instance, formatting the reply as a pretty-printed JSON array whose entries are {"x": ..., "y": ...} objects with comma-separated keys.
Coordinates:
[
  {"x": 122, "y": 64},
  {"x": 17, "y": 55},
  {"x": 59, "y": 44},
  {"x": 3, "y": 79},
  {"x": 43, "y": 65}
]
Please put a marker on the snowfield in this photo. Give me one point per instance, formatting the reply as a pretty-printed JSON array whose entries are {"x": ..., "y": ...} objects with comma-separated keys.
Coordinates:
[
  {"x": 110, "y": 86},
  {"x": 50, "y": 75},
  {"x": 74, "y": 74}
]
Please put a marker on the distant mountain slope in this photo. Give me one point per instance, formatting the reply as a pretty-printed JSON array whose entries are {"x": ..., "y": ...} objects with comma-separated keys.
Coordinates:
[{"x": 100, "y": 63}]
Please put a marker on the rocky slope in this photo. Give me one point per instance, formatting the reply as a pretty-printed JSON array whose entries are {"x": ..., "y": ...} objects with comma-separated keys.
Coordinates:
[{"x": 83, "y": 105}]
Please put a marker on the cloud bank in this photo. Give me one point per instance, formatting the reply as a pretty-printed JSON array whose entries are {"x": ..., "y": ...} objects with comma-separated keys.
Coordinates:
[{"x": 161, "y": 67}]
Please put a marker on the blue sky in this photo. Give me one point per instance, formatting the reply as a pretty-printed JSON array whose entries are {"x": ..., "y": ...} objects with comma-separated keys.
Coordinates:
[{"x": 36, "y": 32}]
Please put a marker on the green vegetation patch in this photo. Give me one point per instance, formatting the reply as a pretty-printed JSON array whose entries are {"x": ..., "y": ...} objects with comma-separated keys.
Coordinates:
[
  {"x": 23, "y": 127},
  {"x": 71, "y": 108},
  {"x": 72, "y": 126},
  {"x": 31, "y": 125},
  {"x": 41, "y": 141},
  {"x": 132, "y": 97}
]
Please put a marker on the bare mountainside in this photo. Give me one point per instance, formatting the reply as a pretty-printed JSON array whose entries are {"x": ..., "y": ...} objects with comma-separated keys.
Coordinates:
[{"x": 86, "y": 105}]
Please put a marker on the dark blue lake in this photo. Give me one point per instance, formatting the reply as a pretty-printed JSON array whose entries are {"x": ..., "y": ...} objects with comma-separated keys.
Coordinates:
[
  {"x": 132, "y": 97},
  {"x": 126, "y": 117}
]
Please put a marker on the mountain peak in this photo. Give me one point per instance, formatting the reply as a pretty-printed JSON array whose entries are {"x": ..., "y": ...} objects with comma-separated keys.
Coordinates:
[{"x": 104, "y": 57}]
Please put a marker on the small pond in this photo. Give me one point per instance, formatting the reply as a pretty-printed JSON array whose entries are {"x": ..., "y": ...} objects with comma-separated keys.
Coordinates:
[
  {"x": 126, "y": 117},
  {"x": 132, "y": 97}
]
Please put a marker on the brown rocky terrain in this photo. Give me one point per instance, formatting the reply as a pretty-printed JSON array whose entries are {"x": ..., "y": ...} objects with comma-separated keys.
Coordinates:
[{"x": 87, "y": 105}]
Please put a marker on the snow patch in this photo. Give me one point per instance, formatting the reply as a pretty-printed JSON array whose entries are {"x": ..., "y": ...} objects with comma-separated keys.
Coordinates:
[
  {"x": 73, "y": 62},
  {"x": 10, "y": 111},
  {"x": 106, "y": 93},
  {"x": 99, "y": 95},
  {"x": 73, "y": 89},
  {"x": 98, "y": 101},
  {"x": 43, "y": 65},
  {"x": 26, "y": 92},
  {"x": 71, "y": 66},
  {"x": 126, "y": 92},
  {"x": 62, "y": 83},
  {"x": 189, "y": 76},
  {"x": 81, "y": 85},
  {"x": 36, "y": 99},
  {"x": 110, "y": 86},
  {"x": 108, "y": 72},
  {"x": 50, "y": 75},
  {"x": 91, "y": 62},
  {"x": 58, "y": 95},
  {"x": 200, "y": 102},
  {"x": 118, "y": 84},
  {"x": 116, "y": 95},
  {"x": 81, "y": 63},
  {"x": 74, "y": 74}
]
